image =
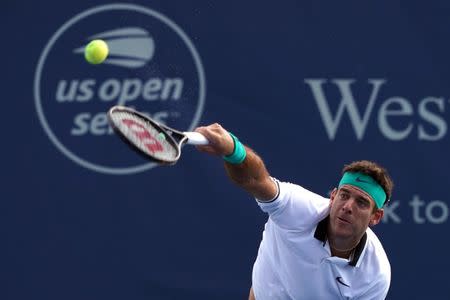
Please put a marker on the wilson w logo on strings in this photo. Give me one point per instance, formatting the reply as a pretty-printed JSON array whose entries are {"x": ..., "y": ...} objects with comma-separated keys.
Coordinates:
[{"x": 143, "y": 135}]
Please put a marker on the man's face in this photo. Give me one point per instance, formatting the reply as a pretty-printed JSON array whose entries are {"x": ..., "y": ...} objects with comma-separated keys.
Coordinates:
[{"x": 352, "y": 211}]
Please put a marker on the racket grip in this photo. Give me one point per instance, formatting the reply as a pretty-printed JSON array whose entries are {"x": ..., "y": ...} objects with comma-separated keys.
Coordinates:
[{"x": 196, "y": 138}]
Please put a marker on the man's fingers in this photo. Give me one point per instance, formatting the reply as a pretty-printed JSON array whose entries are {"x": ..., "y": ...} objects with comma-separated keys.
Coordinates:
[
  {"x": 220, "y": 142},
  {"x": 210, "y": 132},
  {"x": 207, "y": 149}
]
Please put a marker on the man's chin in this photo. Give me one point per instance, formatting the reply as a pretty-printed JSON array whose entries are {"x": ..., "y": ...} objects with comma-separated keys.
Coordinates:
[{"x": 343, "y": 232}]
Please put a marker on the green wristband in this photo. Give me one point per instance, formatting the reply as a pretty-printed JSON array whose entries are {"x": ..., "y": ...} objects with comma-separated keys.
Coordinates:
[{"x": 238, "y": 154}]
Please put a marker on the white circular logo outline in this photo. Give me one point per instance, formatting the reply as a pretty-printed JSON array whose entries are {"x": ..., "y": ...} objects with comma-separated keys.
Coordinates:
[{"x": 54, "y": 38}]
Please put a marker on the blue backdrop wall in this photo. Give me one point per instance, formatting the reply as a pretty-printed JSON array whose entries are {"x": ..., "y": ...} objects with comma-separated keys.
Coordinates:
[{"x": 309, "y": 85}]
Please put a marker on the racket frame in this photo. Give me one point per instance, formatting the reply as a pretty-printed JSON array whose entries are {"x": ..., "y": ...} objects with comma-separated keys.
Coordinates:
[{"x": 175, "y": 138}]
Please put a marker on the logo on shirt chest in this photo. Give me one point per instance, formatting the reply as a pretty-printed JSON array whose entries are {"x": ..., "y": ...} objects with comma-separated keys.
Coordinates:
[{"x": 341, "y": 281}]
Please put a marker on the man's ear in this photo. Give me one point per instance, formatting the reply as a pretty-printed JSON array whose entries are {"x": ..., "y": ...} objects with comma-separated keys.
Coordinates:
[
  {"x": 333, "y": 194},
  {"x": 376, "y": 217}
]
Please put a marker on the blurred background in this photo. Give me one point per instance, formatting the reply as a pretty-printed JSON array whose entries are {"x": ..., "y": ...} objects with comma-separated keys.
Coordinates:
[{"x": 310, "y": 85}]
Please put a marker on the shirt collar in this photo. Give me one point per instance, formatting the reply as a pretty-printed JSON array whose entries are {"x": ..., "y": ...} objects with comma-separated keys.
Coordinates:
[{"x": 321, "y": 235}]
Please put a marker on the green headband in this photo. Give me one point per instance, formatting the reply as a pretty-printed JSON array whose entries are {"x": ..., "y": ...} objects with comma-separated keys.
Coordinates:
[{"x": 367, "y": 184}]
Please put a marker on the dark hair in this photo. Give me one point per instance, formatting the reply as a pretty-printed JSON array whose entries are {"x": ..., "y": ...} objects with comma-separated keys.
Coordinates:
[{"x": 377, "y": 172}]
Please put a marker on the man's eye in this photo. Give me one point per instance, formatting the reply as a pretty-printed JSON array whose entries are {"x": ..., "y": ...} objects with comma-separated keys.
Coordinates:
[{"x": 362, "y": 203}]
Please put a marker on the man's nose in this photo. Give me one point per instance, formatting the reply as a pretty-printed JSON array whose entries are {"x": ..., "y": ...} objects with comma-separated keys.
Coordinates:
[{"x": 348, "y": 205}]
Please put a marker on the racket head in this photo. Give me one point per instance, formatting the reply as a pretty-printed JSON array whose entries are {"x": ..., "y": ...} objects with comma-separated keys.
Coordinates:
[{"x": 144, "y": 135}]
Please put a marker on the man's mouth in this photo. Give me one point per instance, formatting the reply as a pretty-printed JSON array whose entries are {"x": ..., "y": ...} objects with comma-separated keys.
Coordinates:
[{"x": 344, "y": 220}]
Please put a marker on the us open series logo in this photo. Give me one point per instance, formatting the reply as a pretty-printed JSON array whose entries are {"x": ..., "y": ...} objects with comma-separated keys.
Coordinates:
[{"x": 152, "y": 66}]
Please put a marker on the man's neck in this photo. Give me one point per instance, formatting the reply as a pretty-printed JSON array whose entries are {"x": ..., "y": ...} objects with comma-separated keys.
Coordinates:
[
  {"x": 341, "y": 253},
  {"x": 342, "y": 248}
]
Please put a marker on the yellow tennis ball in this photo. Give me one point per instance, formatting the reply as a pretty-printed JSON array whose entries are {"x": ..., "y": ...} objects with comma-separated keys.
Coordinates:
[{"x": 96, "y": 51}]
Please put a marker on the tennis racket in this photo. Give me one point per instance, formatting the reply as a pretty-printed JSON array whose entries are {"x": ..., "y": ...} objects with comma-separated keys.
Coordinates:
[{"x": 154, "y": 141}]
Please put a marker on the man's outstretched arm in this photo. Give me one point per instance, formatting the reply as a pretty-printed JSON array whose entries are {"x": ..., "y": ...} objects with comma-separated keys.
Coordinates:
[{"x": 251, "y": 174}]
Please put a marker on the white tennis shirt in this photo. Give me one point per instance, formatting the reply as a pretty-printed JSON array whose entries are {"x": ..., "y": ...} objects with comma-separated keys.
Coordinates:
[{"x": 294, "y": 259}]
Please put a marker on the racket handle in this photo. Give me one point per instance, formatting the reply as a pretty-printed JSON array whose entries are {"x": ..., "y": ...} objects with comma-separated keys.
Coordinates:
[{"x": 196, "y": 138}]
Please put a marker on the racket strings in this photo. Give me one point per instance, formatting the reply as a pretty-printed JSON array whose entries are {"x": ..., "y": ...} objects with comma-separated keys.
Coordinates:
[{"x": 144, "y": 136}]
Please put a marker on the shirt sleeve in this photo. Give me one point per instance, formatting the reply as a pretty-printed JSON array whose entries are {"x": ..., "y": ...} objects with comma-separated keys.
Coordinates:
[
  {"x": 294, "y": 207},
  {"x": 378, "y": 291}
]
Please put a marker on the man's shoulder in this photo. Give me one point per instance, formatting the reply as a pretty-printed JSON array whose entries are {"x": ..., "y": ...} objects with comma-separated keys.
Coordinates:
[
  {"x": 289, "y": 189},
  {"x": 373, "y": 271},
  {"x": 375, "y": 257}
]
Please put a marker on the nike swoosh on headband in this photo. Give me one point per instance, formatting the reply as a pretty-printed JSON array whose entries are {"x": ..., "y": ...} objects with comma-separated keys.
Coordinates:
[{"x": 360, "y": 180}]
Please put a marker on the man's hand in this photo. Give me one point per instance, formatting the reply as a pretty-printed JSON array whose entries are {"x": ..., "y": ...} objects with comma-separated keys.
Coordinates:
[{"x": 220, "y": 141}]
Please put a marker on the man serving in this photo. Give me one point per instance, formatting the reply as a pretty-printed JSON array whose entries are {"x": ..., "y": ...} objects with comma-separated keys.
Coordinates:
[{"x": 312, "y": 247}]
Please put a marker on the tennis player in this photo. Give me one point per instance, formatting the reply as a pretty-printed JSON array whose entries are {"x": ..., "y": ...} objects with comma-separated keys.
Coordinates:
[{"x": 312, "y": 247}]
